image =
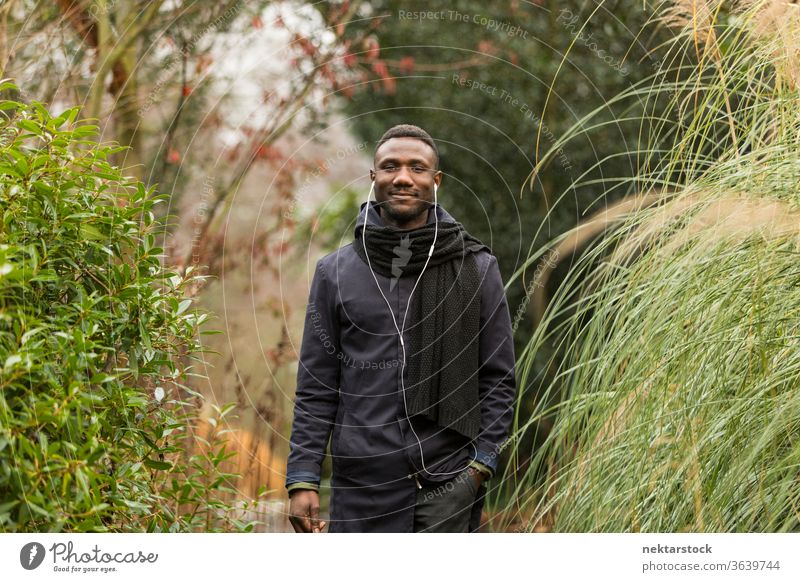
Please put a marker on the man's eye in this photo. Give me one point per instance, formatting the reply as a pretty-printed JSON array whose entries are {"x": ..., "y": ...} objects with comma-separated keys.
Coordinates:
[
  {"x": 418, "y": 169},
  {"x": 390, "y": 168}
]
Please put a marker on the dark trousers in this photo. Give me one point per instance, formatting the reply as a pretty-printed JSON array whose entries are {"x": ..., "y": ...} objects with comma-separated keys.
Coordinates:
[{"x": 452, "y": 506}]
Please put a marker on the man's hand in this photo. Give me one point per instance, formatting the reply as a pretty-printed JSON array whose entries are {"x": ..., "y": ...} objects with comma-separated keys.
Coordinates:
[{"x": 304, "y": 511}]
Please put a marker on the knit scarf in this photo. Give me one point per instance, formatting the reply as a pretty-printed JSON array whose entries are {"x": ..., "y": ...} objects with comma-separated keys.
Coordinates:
[{"x": 443, "y": 320}]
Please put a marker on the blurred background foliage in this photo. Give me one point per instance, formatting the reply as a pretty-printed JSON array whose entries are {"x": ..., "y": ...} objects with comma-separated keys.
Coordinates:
[{"x": 477, "y": 77}]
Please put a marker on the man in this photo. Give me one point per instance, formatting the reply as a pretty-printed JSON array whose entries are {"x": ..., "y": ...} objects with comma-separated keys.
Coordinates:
[{"x": 407, "y": 359}]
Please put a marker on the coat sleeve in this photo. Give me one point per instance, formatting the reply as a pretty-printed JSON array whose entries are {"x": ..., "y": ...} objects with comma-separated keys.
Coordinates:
[
  {"x": 496, "y": 379},
  {"x": 317, "y": 393}
]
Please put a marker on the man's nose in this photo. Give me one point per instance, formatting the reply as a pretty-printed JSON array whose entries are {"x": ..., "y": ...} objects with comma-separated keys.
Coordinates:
[{"x": 403, "y": 177}]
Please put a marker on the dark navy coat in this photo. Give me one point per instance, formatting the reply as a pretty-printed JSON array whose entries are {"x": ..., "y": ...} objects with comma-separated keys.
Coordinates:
[{"x": 348, "y": 389}]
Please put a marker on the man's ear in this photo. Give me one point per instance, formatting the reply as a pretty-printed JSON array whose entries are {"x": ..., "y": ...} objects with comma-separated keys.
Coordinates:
[
  {"x": 437, "y": 177},
  {"x": 372, "y": 175}
]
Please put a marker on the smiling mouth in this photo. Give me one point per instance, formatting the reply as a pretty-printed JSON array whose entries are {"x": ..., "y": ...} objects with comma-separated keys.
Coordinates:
[{"x": 402, "y": 195}]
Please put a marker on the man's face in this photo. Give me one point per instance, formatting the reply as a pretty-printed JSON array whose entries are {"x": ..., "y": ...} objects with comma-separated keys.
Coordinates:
[{"x": 405, "y": 172}]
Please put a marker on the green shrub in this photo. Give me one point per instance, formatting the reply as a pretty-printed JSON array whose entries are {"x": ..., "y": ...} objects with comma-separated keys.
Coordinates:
[{"x": 95, "y": 338}]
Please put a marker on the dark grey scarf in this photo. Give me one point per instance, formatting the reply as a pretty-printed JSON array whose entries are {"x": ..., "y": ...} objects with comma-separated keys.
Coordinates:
[{"x": 443, "y": 350}]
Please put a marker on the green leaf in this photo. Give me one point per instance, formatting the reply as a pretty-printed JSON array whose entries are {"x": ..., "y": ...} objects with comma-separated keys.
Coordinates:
[
  {"x": 135, "y": 504},
  {"x": 11, "y": 361},
  {"x": 91, "y": 232},
  {"x": 85, "y": 130},
  {"x": 160, "y": 465},
  {"x": 99, "y": 507},
  {"x": 102, "y": 378},
  {"x": 37, "y": 509},
  {"x": 30, "y": 126},
  {"x": 8, "y": 505},
  {"x": 67, "y": 116}
]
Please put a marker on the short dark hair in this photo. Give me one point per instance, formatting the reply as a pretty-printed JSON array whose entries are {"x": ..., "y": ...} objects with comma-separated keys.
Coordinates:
[{"x": 408, "y": 130}]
